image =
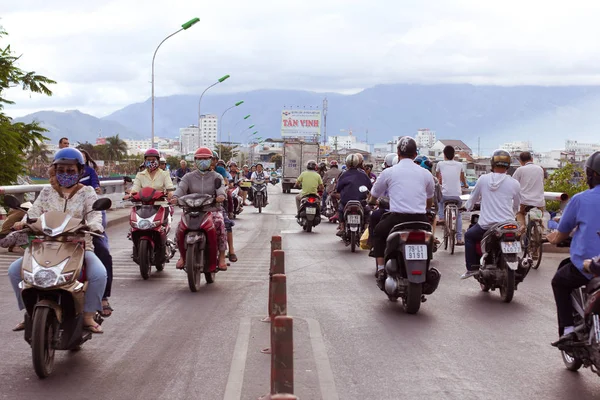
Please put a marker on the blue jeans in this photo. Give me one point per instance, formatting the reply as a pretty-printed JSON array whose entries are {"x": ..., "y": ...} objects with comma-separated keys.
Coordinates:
[
  {"x": 472, "y": 237},
  {"x": 96, "y": 277},
  {"x": 459, "y": 224}
]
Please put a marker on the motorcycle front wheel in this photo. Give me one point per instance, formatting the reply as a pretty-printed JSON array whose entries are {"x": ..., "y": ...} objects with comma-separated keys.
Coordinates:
[
  {"x": 144, "y": 257},
  {"x": 42, "y": 336},
  {"x": 194, "y": 261}
]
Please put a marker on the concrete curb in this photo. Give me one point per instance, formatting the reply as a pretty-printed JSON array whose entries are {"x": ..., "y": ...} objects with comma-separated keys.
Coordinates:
[
  {"x": 116, "y": 217},
  {"x": 550, "y": 248}
]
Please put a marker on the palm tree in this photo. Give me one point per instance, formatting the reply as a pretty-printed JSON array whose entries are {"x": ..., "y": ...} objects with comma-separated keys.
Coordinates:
[
  {"x": 87, "y": 146},
  {"x": 38, "y": 156},
  {"x": 116, "y": 148}
]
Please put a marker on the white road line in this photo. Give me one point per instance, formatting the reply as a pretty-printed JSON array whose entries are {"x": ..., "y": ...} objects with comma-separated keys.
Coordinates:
[
  {"x": 235, "y": 381},
  {"x": 324, "y": 372}
]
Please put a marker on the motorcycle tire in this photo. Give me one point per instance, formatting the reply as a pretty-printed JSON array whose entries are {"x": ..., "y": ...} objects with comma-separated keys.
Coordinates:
[
  {"x": 412, "y": 301},
  {"x": 572, "y": 363},
  {"x": 536, "y": 254},
  {"x": 42, "y": 336},
  {"x": 194, "y": 262},
  {"x": 309, "y": 226},
  {"x": 259, "y": 209},
  {"x": 353, "y": 242},
  {"x": 507, "y": 290},
  {"x": 144, "y": 257}
]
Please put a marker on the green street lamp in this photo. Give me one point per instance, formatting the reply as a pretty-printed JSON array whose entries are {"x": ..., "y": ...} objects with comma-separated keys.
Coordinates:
[
  {"x": 184, "y": 27},
  {"x": 221, "y": 79},
  {"x": 239, "y": 103}
]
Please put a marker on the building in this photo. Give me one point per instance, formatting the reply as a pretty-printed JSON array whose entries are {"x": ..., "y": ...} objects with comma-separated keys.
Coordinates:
[
  {"x": 517, "y": 147},
  {"x": 208, "y": 130},
  {"x": 347, "y": 142},
  {"x": 425, "y": 138},
  {"x": 581, "y": 148},
  {"x": 189, "y": 139},
  {"x": 136, "y": 146},
  {"x": 437, "y": 149}
]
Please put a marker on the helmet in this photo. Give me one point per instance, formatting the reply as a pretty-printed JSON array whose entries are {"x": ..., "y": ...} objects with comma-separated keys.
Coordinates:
[
  {"x": 257, "y": 164},
  {"x": 68, "y": 155},
  {"x": 203, "y": 152},
  {"x": 232, "y": 164},
  {"x": 593, "y": 165},
  {"x": 221, "y": 162},
  {"x": 407, "y": 146},
  {"x": 353, "y": 160},
  {"x": 245, "y": 166},
  {"x": 215, "y": 155},
  {"x": 500, "y": 158},
  {"x": 162, "y": 161},
  {"x": 323, "y": 165},
  {"x": 424, "y": 162},
  {"x": 395, "y": 160},
  {"x": 151, "y": 153},
  {"x": 333, "y": 163},
  {"x": 388, "y": 161},
  {"x": 369, "y": 166},
  {"x": 343, "y": 167},
  {"x": 312, "y": 165}
]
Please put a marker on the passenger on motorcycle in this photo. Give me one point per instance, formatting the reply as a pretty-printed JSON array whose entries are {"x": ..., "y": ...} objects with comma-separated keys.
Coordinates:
[
  {"x": 451, "y": 178},
  {"x": 332, "y": 175},
  {"x": 499, "y": 195},
  {"x": 581, "y": 215},
  {"x": 348, "y": 185},
  {"x": 322, "y": 169},
  {"x": 152, "y": 176},
  {"x": 410, "y": 189},
  {"x": 310, "y": 181},
  {"x": 260, "y": 175},
  {"x": 229, "y": 224},
  {"x": 424, "y": 162},
  {"x": 531, "y": 179},
  {"x": 369, "y": 171},
  {"x": 202, "y": 181},
  {"x": 67, "y": 195}
]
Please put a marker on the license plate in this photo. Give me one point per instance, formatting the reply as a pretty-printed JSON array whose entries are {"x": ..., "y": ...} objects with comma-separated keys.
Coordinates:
[
  {"x": 510, "y": 247},
  {"x": 311, "y": 210},
  {"x": 415, "y": 252},
  {"x": 353, "y": 219}
]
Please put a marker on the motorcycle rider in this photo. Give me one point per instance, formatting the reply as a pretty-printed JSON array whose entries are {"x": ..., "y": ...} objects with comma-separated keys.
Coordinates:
[
  {"x": 348, "y": 186},
  {"x": 229, "y": 224},
  {"x": 369, "y": 171},
  {"x": 75, "y": 199},
  {"x": 322, "y": 169},
  {"x": 451, "y": 178},
  {"x": 424, "y": 162},
  {"x": 331, "y": 175},
  {"x": 499, "y": 194},
  {"x": 260, "y": 175},
  {"x": 162, "y": 164},
  {"x": 581, "y": 215},
  {"x": 202, "y": 181},
  {"x": 531, "y": 179},
  {"x": 309, "y": 181},
  {"x": 410, "y": 189},
  {"x": 182, "y": 170},
  {"x": 152, "y": 176}
]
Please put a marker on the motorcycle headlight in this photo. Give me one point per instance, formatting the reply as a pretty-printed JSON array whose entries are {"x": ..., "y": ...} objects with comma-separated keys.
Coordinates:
[
  {"x": 28, "y": 277},
  {"x": 144, "y": 224},
  {"x": 45, "y": 278}
]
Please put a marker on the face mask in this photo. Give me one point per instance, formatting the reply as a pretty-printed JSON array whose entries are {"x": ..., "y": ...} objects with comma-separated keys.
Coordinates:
[
  {"x": 67, "y": 179},
  {"x": 203, "y": 165},
  {"x": 151, "y": 165}
]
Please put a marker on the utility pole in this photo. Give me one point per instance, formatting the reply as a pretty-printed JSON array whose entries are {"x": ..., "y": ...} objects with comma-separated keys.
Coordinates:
[
  {"x": 325, "y": 121},
  {"x": 479, "y": 146}
]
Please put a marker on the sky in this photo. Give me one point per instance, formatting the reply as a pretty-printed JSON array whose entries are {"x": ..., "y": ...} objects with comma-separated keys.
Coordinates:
[{"x": 100, "y": 52}]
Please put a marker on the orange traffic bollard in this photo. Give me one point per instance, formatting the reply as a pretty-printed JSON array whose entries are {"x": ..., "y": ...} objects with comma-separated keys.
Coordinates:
[
  {"x": 277, "y": 303},
  {"x": 277, "y": 267},
  {"x": 282, "y": 357},
  {"x": 275, "y": 245}
]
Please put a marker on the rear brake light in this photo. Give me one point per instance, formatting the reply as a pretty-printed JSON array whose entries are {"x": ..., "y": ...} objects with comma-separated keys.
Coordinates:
[
  {"x": 509, "y": 227},
  {"x": 417, "y": 272},
  {"x": 509, "y": 235},
  {"x": 417, "y": 236},
  {"x": 311, "y": 200}
]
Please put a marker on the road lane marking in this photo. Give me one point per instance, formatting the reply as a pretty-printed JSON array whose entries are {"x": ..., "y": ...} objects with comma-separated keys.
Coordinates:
[
  {"x": 324, "y": 372},
  {"x": 235, "y": 381}
]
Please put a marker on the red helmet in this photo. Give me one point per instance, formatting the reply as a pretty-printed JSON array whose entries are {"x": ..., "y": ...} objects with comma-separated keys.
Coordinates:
[
  {"x": 333, "y": 162},
  {"x": 203, "y": 152},
  {"x": 151, "y": 153}
]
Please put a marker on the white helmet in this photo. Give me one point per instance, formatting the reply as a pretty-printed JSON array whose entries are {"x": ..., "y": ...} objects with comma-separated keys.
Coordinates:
[
  {"x": 388, "y": 161},
  {"x": 395, "y": 160}
]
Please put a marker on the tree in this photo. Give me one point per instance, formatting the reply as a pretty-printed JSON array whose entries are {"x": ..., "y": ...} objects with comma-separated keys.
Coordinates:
[
  {"x": 38, "y": 158},
  {"x": 569, "y": 179},
  {"x": 277, "y": 159},
  {"x": 116, "y": 148},
  {"x": 17, "y": 138},
  {"x": 227, "y": 153},
  {"x": 173, "y": 162}
]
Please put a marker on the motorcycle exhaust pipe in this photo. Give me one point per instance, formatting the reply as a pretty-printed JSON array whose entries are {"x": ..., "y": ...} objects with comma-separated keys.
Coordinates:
[
  {"x": 391, "y": 286},
  {"x": 526, "y": 263}
]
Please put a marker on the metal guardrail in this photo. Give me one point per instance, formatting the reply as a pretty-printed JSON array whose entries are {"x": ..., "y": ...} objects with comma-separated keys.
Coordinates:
[
  {"x": 547, "y": 195},
  {"x": 113, "y": 189}
]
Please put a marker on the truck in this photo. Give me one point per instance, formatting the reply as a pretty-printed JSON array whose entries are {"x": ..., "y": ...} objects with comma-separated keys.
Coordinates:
[{"x": 296, "y": 154}]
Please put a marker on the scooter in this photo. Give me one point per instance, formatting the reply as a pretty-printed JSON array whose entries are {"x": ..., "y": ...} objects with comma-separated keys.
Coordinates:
[
  {"x": 238, "y": 202},
  {"x": 354, "y": 223},
  {"x": 309, "y": 214},
  {"x": 150, "y": 225},
  {"x": 54, "y": 285},
  {"x": 259, "y": 194}
]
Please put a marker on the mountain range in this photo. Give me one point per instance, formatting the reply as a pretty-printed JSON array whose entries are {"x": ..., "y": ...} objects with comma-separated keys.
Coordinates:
[{"x": 544, "y": 115}]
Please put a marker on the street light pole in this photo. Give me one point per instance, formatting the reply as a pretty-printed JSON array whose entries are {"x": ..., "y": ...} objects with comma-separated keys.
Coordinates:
[
  {"x": 184, "y": 27},
  {"x": 221, "y": 124},
  {"x": 221, "y": 79}
]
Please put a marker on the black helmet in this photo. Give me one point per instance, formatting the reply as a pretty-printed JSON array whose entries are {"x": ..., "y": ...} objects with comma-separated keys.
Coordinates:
[
  {"x": 322, "y": 165},
  {"x": 407, "y": 147},
  {"x": 312, "y": 165},
  {"x": 593, "y": 165},
  {"x": 500, "y": 158}
]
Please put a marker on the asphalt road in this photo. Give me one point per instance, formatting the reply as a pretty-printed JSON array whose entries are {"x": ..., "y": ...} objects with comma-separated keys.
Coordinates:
[{"x": 164, "y": 342}]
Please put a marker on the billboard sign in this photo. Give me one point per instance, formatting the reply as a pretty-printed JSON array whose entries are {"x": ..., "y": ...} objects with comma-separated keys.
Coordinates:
[{"x": 295, "y": 123}]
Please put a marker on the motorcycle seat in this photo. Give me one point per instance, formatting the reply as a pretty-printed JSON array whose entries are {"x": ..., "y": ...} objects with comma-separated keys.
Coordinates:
[
  {"x": 453, "y": 201},
  {"x": 593, "y": 285},
  {"x": 416, "y": 225}
]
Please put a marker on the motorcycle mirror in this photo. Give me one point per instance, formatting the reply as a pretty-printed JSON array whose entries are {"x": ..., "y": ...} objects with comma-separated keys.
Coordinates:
[
  {"x": 12, "y": 202},
  {"x": 363, "y": 189},
  {"x": 102, "y": 204}
]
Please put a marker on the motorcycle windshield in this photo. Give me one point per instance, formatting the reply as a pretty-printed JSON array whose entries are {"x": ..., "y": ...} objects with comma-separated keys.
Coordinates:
[{"x": 146, "y": 211}]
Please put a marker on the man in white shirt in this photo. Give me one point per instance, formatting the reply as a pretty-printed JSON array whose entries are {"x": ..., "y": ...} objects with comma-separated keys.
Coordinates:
[
  {"x": 499, "y": 196},
  {"x": 410, "y": 189},
  {"x": 531, "y": 179},
  {"x": 452, "y": 178}
]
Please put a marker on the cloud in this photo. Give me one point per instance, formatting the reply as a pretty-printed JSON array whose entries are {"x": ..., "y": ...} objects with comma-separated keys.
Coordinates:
[{"x": 101, "y": 52}]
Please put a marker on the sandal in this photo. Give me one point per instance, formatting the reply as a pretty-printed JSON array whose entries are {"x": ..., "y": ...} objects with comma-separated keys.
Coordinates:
[
  {"x": 20, "y": 327},
  {"x": 180, "y": 264},
  {"x": 95, "y": 328},
  {"x": 223, "y": 267},
  {"x": 232, "y": 257},
  {"x": 106, "y": 309},
  {"x": 460, "y": 243}
]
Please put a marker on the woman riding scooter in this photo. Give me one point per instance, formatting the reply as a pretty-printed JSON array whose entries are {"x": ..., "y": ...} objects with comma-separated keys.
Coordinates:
[{"x": 75, "y": 199}]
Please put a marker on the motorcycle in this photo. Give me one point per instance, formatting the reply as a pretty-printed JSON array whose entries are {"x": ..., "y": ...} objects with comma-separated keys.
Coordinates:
[
  {"x": 259, "y": 194},
  {"x": 309, "y": 214},
  {"x": 501, "y": 267},
  {"x": 408, "y": 255},
  {"x": 238, "y": 202},
  {"x": 150, "y": 226},
  {"x": 200, "y": 238},
  {"x": 331, "y": 205},
  {"x": 53, "y": 285},
  {"x": 354, "y": 223}
]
